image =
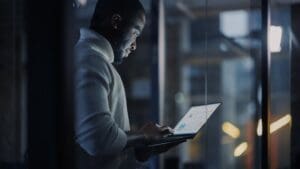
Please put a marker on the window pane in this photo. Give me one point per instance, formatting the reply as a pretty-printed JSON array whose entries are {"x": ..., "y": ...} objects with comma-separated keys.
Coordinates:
[
  {"x": 211, "y": 55},
  {"x": 282, "y": 40}
]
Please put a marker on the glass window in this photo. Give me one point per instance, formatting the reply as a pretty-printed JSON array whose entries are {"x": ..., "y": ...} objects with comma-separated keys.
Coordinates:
[
  {"x": 212, "y": 49},
  {"x": 213, "y": 54},
  {"x": 281, "y": 40}
]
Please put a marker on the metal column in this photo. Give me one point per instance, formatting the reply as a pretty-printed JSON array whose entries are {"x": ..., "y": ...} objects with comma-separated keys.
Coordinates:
[{"x": 265, "y": 84}]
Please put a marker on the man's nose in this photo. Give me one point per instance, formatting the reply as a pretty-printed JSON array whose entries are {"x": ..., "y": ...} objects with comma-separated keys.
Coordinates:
[{"x": 133, "y": 46}]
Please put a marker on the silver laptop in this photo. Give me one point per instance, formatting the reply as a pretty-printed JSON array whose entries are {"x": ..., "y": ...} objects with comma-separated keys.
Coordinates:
[{"x": 189, "y": 125}]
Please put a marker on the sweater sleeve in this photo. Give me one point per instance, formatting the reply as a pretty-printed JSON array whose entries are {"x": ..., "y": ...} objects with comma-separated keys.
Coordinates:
[{"x": 96, "y": 131}]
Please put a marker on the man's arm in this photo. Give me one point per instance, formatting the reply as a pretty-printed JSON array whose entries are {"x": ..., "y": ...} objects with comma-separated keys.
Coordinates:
[
  {"x": 135, "y": 139},
  {"x": 96, "y": 131}
]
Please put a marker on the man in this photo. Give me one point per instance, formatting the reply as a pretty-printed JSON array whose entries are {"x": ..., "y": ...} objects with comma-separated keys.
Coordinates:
[{"x": 102, "y": 125}]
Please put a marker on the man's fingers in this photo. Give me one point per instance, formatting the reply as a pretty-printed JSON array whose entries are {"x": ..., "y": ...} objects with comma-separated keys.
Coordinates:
[
  {"x": 154, "y": 131},
  {"x": 166, "y": 130},
  {"x": 157, "y": 125}
]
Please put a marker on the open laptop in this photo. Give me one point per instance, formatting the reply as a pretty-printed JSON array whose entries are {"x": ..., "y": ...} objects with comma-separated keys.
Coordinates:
[{"x": 189, "y": 125}]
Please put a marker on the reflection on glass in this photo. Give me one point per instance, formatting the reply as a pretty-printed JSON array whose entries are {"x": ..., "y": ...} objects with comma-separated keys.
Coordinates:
[
  {"x": 212, "y": 52},
  {"x": 259, "y": 127},
  {"x": 275, "y": 38},
  {"x": 238, "y": 18},
  {"x": 240, "y": 149},
  {"x": 280, "y": 123},
  {"x": 231, "y": 130},
  {"x": 276, "y": 125}
]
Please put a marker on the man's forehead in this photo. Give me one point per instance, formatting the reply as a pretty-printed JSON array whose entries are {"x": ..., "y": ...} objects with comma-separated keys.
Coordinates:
[{"x": 140, "y": 20}]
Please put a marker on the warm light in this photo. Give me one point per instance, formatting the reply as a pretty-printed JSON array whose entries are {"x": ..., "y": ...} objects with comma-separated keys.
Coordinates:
[
  {"x": 240, "y": 149},
  {"x": 231, "y": 129},
  {"x": 280, "y": 123},
  {"x": 275, "y": 37},
  {"x": 259, "y": 128},
  {"x": 275, "y": 125}
]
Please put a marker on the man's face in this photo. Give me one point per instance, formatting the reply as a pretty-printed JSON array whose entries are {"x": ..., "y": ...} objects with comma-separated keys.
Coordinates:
[{"x": 126, "y": 42}]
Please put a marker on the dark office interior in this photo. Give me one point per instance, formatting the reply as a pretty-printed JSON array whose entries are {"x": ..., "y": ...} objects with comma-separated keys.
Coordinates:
[{"x": 244, "y": 54}]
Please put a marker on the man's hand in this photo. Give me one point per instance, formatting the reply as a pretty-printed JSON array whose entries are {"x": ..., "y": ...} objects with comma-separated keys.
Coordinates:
[
  {"x": 149, "y": 133},
  {"x": 154, "y": 132},
  {"x": 143, "y": 153}
]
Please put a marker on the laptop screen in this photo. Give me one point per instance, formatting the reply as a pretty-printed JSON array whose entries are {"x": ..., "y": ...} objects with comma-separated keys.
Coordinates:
[{"x": 194, "y": 119}]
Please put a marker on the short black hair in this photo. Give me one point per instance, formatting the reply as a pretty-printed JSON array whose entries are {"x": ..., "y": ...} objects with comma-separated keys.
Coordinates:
[{"x": 106, "y": 8}]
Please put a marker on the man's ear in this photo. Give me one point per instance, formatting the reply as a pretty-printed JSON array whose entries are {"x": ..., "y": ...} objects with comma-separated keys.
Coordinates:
[{"x": 116, "y": 20}]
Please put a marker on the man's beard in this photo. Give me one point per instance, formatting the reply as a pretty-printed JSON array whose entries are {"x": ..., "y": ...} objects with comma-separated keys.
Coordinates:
[
  {"x": 118, "y": 60},
  {"x": 118, "y": 55}
]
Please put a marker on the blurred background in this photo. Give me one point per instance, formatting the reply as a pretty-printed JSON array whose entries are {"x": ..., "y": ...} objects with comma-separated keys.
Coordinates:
[{"x": 192, "y": 52}]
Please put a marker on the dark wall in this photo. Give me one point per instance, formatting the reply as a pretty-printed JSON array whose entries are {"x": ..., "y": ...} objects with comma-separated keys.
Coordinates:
[
  {"x": 11, "y": 83},
  {"x": 50, "y": 103}
]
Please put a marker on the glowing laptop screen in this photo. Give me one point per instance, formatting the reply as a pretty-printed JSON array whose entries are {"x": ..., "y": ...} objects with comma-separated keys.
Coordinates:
[{"x": 194, "y": 119}]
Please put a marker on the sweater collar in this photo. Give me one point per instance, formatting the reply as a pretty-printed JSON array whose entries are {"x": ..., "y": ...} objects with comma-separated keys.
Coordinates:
[{"x": 97, "y": 43}]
